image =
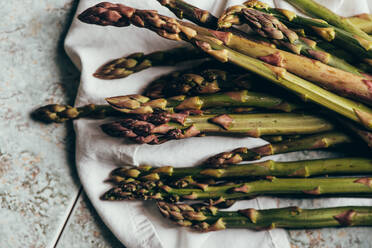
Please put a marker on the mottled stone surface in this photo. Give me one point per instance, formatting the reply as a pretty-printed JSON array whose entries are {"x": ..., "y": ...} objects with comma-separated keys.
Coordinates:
[
  {"x": 86, "y": 229},
  {"x": 38, "y": 182},
  {"x": 332, "y": 238}
]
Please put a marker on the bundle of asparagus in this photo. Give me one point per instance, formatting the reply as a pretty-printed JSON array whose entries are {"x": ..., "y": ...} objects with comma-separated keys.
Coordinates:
[
  {"x": 125, "y": 66},
  {"x": 183, "y": 104},
  {"x": 354, "y": 111},
  {"x": 358, "y": 113},
  {"x": 219, "y": 44},
  {"x": 290, "y": 61}
]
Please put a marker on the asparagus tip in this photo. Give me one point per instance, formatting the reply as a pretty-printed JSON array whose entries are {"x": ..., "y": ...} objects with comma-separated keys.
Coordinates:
[{"x": 55, "y": 113}]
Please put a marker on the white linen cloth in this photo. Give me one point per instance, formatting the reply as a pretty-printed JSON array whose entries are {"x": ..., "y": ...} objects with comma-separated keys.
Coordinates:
[{"x": 137, "y": 223}]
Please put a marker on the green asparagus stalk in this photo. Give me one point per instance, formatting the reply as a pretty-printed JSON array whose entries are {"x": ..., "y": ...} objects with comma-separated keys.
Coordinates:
[
  {"x": 357, "y": 44},
  {"x": 310, "y": 187},
  {"x": 297, "y": 169},
  {"x": 316, "y": 10},
  {"x": 317, "y": 141},
  {"x": 125, "y": 66},
  {"x": 214, "y": 43},
  {"x": 209, "y": 218},
  {"x": 138, "y": 104},
  {"x": 362, "y": 21},
  {"x": 159, "y": 128},
  {"x": 61, "y": 113},
  {"x": 269, "y": 26}
]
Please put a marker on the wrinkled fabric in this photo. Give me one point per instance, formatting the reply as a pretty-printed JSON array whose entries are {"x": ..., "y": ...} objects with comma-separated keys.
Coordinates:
[{"x": 136, "y": 223}]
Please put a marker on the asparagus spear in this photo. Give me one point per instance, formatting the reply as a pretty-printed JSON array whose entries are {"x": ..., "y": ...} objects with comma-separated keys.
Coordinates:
[
  {"x": 317, "y": 141},
  {"x": 359, "y": 45},
  {"x": 362, "y": 21},
  {"x": 310, "y": 187},
  {"x": 316, "y": 10},
  {"x": 125, "y": 66},
  {"x": 159, "y": 128},
  {"x": 138, "y": 104},
  {"x": 61, "y": 113},
  {"x": 209, "y": 218},
  {"x": 185, "y": 10},
  {"x": 212, "y": 42},
  {"x": 297, "y": 169}
]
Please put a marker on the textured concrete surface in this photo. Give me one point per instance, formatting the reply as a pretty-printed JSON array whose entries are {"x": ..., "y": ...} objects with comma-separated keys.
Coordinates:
[
  {"x": 38, "y": 181},
  {"x": 332, "y": 238},
  {"x": 85, "y": 229}
]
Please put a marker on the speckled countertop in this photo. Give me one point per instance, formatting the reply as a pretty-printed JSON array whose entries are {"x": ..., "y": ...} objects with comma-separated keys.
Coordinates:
[
  {"x": 39, "y": 187},
  {"x": 42, "y": 204}
]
